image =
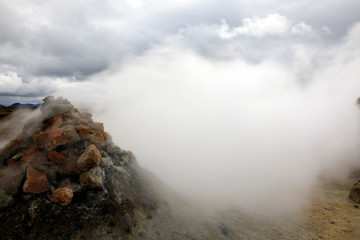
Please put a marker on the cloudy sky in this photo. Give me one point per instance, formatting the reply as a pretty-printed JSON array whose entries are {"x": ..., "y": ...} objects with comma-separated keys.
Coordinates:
[
  {"x": 45, "y": 45},
  {"x": 209, "y": 95}
]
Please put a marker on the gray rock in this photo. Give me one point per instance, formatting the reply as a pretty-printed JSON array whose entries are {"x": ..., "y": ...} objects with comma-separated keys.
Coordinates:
[
  {"x": 70, "y": 133},
  {"x": 11, "y": 179},
  {"x": 355, "y": 192},
  {"x": 92, "y": 178},
  {"x": 105, "y": 161}
]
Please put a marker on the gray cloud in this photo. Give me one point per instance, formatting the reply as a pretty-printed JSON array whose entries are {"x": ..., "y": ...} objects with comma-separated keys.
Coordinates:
[{"x": 72, "y": 41}]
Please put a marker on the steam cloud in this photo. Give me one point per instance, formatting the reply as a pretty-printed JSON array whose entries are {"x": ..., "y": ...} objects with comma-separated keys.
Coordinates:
[
  {"x": 230, "y": 132},
  {"x": 230, "y": 102}
]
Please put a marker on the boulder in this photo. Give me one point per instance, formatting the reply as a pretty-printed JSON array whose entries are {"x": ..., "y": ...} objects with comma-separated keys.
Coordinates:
[
  {"x": 97, "y": 126},
  {"x": 56, "y": 157},
  {"x": 69, "y": 167},
  {"x": 36, "y": 182},
  {"x": 51, "y": 172},
  {"x": 90, "y": 158},
  {"x": 83, "y": 130},
  {"x": 355, "y": 192},
  {"x": 14, "y": 161},
  {"x": 33, "y": 158},
  {"x": 49, "y": 141},
  {"x": 11, "y": 149},
  {"x": 72, "y": 115},
  {"x": 70, "y": 133},
  {"x": 128, "y": 157},
  {"x": 54, "y": 124},
  {"x": 92, "y": 178},
  {"x": 11, "y": 178},
  {"x": 97, "y": 138},
  {"x": 62, "y": 196},
  {"x": 105, "y": 161}
]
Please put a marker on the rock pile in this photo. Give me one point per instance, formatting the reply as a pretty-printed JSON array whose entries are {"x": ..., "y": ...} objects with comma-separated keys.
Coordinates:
[{"x": 58, "y": 153}]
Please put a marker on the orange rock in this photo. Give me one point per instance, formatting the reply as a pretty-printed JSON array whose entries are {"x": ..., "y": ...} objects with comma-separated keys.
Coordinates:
[
  {"x": 83, "y": 130},
  {"x": 97, "y": 138},
  {"x": 33, "y": 158},
  {"x": 49, "y": 140},
  {"x": 54, "y": 123},
  {"x": 62, "y": 196},
  {"x": 56, "y": 157},
  {"x": 36, "y": 182},
  {"x": 90, "y": 158}
]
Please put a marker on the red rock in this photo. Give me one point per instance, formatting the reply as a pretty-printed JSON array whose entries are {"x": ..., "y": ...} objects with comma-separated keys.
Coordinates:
[
  {"x": 33, "y": 158},
  {"x": 69, "y": 167},
  {"x": 54, "y": 123},
  {"x": 36, "y": 182},
  {"x": 90, "y": 158},
  {"x": 49, "y": 141},
  {"x": 83, "y": 130},
  {"x": 62, "y": 196},
  {"x": 56, "y": 157}
]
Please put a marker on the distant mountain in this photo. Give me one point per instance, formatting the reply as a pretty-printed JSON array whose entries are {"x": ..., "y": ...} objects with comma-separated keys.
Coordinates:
[{"x": 25, "y": 105}]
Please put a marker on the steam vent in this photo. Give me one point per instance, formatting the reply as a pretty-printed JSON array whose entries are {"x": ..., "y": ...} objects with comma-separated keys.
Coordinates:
[{"x": 63, "y": 178}]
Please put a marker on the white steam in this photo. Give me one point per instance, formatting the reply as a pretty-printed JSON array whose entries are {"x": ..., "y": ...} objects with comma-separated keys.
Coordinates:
[
  {"x": 11, "y": 126},
  {"x": 231, "y": 132}
]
